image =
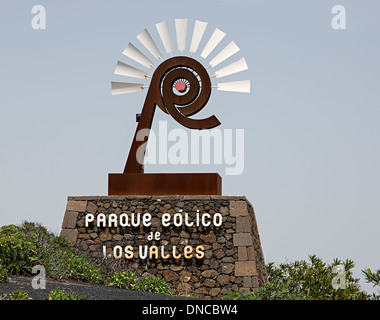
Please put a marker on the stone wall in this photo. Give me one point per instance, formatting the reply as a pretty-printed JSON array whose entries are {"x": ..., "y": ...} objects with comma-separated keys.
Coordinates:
[{"x": 233, "y": 259}]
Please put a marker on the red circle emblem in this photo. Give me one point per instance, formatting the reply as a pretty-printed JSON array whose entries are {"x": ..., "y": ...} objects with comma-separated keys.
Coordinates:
[{"x": 180, "y": 86}]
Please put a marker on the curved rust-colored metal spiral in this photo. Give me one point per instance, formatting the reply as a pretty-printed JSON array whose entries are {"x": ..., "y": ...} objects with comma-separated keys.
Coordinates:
[{"x": 179, "y": 105}]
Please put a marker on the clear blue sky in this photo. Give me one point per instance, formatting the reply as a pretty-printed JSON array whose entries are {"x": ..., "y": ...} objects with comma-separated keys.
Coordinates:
[{"x": 311, "y": 121}]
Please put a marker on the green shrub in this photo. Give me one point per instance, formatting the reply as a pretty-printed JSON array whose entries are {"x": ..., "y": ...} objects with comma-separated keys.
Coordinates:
[
  {"x": 81, "y": 268},
  {"x": 63, "y": 295},
  {"x": 154, "y": 284},
  {"x": 19, "y": 295},
  {"x": 276, "y": 290},
  {"x": 269, "y": 291},
  {"x": 18, "y": 252},
  {"x": 30, "y": 244},
  {"x": 51, "y": 250},
  {"x": 125, "y": 280},
  {"x": 128, "y": 280},
  {"x": 22, "y": 247},
  {"x": 311, "y": 280},
  {"x": 233, "y": 295},
  {"x": 314, "y": 279},
  {"x": 374, "y": 278},
  {"x": 3, "y": 274}
]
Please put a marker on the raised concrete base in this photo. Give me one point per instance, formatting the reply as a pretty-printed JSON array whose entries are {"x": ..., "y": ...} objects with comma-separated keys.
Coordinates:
[{"x": 232, "y": 259}]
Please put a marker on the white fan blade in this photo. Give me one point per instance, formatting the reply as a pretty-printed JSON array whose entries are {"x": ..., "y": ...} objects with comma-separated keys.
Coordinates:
[
  {"x": 234, "y": 67},
  {"x": 199, "y": 30},
  {"x": 216, "y": 37},
  {"x": 123, "y": 87},
  {"x": 124, "y": 69},
  {"x": 164, "y": 32},
  {"x": 146, "y": 39},
  {"x": 132, "y": 52},
  {"x": 227, "y": 52},
  {"x": 181, "y": 29},
  {"x": 236, "y": 86}
]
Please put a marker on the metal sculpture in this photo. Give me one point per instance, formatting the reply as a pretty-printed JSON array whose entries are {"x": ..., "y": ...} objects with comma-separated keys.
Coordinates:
[{"x": 180, "y": 86}]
